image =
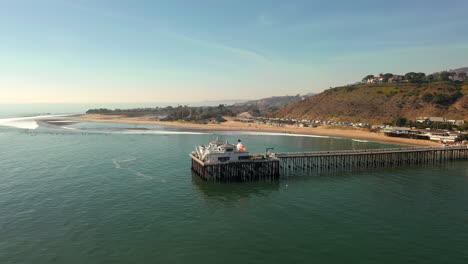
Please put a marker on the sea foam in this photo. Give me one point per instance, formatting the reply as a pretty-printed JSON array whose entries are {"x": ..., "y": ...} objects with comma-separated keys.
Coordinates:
[
  {"x": 25, "y": 122},
  {"x": 276, "y": 134},
  {"x": 163, "y": 132}
]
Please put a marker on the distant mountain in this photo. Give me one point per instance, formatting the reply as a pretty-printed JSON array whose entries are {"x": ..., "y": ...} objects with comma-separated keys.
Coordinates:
[
  {"x": 275, "y": 102},
  {"x": 379, "y": 103}
]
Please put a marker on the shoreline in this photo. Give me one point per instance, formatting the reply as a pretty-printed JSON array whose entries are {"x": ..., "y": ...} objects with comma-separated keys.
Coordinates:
[{"x": 230, "y": 125}]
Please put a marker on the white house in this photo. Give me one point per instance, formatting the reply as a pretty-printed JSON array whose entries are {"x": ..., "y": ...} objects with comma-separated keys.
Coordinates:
[{"x": 380, "y": 79}]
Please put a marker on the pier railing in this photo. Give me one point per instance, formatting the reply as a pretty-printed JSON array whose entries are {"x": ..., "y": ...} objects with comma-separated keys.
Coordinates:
[
  {"x": 369, "y": 158},
  {"x": 365, "y": 151}
]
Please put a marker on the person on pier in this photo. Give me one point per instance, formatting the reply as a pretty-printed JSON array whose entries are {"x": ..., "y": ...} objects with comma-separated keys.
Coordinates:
[{"x": 240, "y": 146}]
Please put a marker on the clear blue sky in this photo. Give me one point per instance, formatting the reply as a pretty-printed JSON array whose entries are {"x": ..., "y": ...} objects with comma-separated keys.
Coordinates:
[{"x": 175, "y": 51}]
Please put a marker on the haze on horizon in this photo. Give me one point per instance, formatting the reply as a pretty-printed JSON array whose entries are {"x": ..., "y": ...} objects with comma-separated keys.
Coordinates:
[{"x": 68, "y": 51}]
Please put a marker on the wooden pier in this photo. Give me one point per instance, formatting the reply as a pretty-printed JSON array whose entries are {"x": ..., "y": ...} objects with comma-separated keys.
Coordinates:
[
  {"x": 287, "y": 163},
  {"x": 249, "y": 170}
]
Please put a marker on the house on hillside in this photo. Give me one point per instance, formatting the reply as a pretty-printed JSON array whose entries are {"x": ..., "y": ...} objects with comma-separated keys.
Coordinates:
[
  {"x": 422, "y": 120},
  {"x": 396, "y": 79},
  {"x": 432, "y": 119},
  {"x": 378, "y": 79},
  {"x": 437, "y": 120},
  {"x": 382, "y": 79},
  {"x": 456, "y": 122}
]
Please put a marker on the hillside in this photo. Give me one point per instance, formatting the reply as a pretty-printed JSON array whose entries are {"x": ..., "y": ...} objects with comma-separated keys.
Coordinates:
[
  {"x": 379, "y": 103},
  {"x": 275, "y": 102}
]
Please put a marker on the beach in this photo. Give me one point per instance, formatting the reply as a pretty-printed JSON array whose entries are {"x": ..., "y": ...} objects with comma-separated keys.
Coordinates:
[{"x": 232, "y": 125}]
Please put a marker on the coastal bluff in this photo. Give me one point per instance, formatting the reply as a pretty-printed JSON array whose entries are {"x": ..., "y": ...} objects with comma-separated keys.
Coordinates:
[{"x": 379, "y": 103}]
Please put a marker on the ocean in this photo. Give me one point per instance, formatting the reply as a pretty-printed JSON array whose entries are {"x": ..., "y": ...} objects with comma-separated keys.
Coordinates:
[{"x": 110, "y": 193}]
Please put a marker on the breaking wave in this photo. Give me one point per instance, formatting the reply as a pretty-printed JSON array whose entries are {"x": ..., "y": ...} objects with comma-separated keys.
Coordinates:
[
  {"x": 25, "y": 122},
  {"x": 277, "y": 134},
  {"x": 358, "y": 140},
  {"x": 163, "y": 132}
]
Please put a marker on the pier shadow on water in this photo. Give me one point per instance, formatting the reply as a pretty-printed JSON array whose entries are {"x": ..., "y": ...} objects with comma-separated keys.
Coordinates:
[{"x": 233, "y": 190}]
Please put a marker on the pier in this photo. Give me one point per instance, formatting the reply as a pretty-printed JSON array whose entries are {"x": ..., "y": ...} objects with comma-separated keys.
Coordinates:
[
  {"x": 269, "y": 167},
  {"x": 257, "y": 168}
]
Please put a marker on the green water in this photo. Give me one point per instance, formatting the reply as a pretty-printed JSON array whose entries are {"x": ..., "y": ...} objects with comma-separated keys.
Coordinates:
[{"x": 95, "y": 195}]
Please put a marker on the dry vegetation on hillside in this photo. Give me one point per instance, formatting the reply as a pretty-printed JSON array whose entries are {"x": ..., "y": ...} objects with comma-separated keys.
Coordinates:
[{"x": 379, "y": 103}]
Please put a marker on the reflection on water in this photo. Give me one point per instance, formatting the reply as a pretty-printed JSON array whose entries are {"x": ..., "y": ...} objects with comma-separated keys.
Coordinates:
[{"x": 232, "y": 191}]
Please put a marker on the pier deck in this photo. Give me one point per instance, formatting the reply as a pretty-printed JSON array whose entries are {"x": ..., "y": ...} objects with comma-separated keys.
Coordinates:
[
  {"x": 286, "y": 163},
  {"x": 369, "y": 158}
]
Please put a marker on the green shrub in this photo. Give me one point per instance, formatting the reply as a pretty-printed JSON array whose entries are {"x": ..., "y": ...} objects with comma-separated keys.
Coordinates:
[
  {"x": 427, "y": 97},
  {"x": 220, "y": 119}
]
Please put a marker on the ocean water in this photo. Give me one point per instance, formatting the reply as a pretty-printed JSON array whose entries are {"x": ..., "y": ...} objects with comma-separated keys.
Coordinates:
[{"x": 107, "y": 193}]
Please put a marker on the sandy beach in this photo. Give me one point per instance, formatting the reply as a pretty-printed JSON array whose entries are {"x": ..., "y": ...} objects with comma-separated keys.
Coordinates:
[{"x": 231, "y": 125}]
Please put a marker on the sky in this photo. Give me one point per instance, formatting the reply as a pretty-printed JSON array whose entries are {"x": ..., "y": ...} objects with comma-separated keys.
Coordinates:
[{"x": 116, "y": 51}]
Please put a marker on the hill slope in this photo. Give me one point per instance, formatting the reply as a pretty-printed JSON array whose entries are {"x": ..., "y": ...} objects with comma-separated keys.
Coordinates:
[
  {"x": 275, "y": 102},
  {"x": 378, "y": 103}
]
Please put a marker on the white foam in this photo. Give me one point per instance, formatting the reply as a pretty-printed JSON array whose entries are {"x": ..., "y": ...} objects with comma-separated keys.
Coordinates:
[
  {"x": 19, "y": 123},
  {"x": 277, "y": 134},
  {"x": 25, "y": 122},
  {"x": 358, "y": 140},
  {"x": 162, "y": 132}
]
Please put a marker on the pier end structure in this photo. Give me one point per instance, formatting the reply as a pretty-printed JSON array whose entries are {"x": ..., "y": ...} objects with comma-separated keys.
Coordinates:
[{"x": 256, "y": 168}]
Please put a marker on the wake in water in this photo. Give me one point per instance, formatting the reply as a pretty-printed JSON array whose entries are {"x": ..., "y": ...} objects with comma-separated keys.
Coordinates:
[{"x": 118, "y": 165}]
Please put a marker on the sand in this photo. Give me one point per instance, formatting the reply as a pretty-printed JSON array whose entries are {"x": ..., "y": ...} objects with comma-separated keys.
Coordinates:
[{"x": 231, "y": 125}]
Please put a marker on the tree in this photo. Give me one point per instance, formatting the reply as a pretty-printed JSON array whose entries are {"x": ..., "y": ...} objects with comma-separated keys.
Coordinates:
[
  {"x": 401, "y": 121},
  {"x": 387, "y": 76},
  {"x": 462, "y": 76},
  {"x": 430, "y": 78},
  {"x": 446, "y": 99},
  {"x": 415, "y": 77},
  {"x": 464, "y": 127},
  {"x": 409, "y": 76},
  {"x": 444, "y": 76},
  {"x": 420, "y": 77},
  {"x": 365, "y": 79}
]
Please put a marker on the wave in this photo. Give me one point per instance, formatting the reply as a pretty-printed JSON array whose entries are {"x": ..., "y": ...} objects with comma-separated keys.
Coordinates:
[
  {"x": 277, "y": 134},
  {"x": 162, "y": 132},
  {"x": 25, "y": 122},
  {"x": 358, "y": 140}
]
